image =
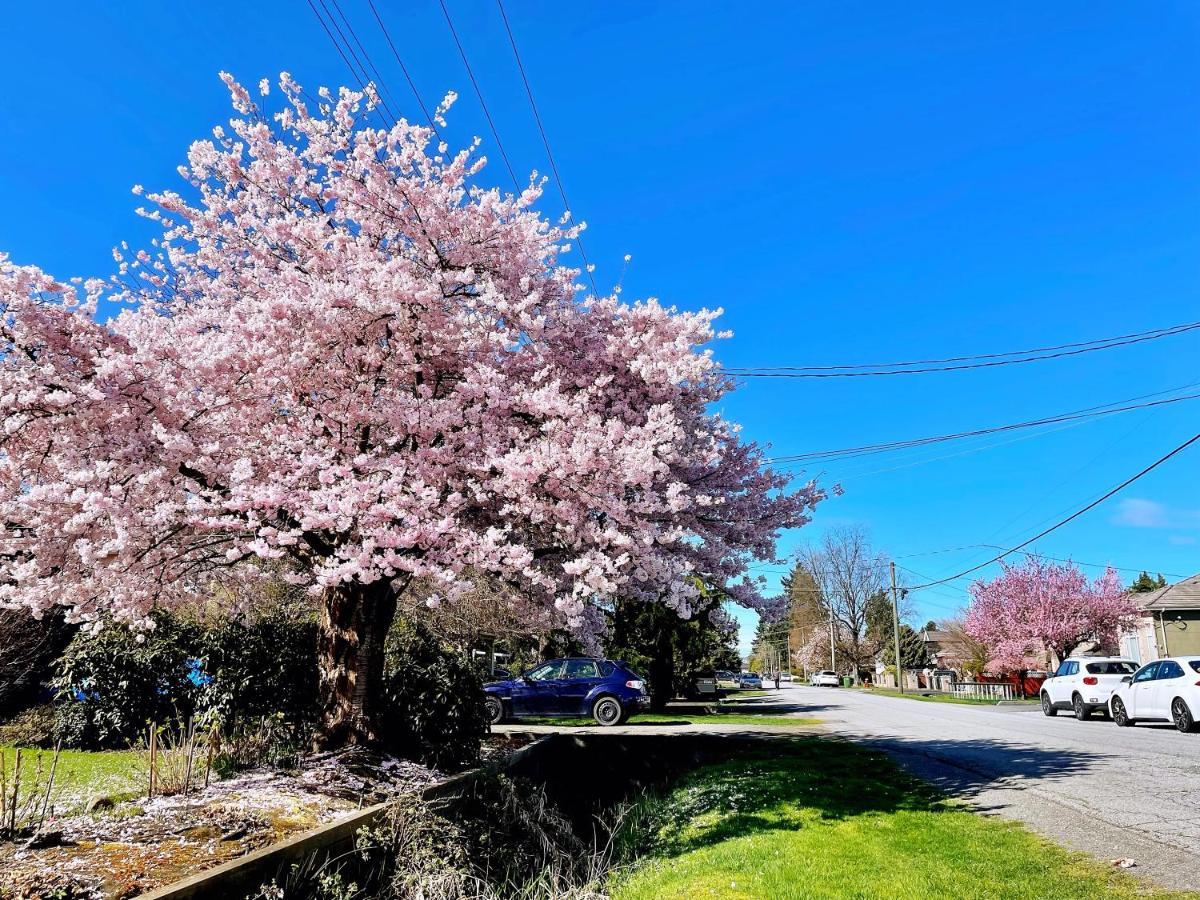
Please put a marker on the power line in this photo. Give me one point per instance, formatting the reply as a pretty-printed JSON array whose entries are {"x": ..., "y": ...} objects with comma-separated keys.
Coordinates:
[
  {"x": 403, "y": 68},
  {"x": 370, "y": 62},
  {"x": 478, "y": 93},
  {"x": 1075, "y": 515},
  {"x": 868, "y": 449},
  {"x": 562, "y": 191},
  {"x": 362, "y": 82},
  {"x": 958, "y": 363}
]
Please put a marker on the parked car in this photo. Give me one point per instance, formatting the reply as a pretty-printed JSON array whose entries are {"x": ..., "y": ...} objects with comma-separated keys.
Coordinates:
[
  {"x": 786, "y": 676},
  {"x": 1163, "y": 690},
  {"x": 1084, "y": 684},
  {"x": 727, "y": 681},
  {"x": 751, "y": 681},
  {"x": 704, "y": 686},
  {"x": 605, "y": 689},
  {"x": 825, "y": 678}
]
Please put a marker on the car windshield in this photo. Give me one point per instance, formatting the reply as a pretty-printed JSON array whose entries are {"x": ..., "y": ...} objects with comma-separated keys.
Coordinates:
[{"x": 1114, "y": 667}]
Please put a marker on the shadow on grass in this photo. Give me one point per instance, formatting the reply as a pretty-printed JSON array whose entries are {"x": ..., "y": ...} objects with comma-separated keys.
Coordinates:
[{"x": 787, "y": 784}]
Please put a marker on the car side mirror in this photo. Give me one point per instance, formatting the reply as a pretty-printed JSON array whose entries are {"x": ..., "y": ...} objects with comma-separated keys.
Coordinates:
[{"x": 1127, "y": 679}]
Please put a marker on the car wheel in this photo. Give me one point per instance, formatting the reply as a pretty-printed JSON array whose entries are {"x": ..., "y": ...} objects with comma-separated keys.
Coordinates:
[
  {"x": 1182, "y": 716},
  {"x": 1120, "y": 714},
  {"x": 1082, "y": 713},
  {"x": 1048, "y": 707},
  {"x": 495, "y": 710},
  {"x": 607, "y": 711}
]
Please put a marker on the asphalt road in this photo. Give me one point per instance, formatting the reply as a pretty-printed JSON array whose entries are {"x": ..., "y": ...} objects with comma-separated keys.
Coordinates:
[{"x": 1108, "y": 791}]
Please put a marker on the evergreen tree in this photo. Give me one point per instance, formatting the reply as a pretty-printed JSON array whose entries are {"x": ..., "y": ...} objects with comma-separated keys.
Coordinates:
[
  {"x": 912, "y": 649},
  {"x": 1144, "y": 584}
]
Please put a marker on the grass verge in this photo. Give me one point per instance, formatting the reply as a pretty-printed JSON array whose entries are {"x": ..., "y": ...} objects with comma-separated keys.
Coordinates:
[
  {"x": 690, "y": 718},
  {"x": 808, "y": 818},
  {"x": 938, "y": 698}
]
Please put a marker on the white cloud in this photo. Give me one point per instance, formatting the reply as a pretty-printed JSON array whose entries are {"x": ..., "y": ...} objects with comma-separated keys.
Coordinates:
[{"x": 1135, "y": 513}]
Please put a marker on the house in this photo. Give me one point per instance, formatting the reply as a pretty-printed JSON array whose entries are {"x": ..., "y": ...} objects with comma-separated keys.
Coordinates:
[{"x": 1169, "y": 625}]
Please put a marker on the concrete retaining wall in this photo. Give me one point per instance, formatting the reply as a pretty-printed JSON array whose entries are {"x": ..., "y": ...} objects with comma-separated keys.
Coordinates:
[
  {"x": 243, "y": 876},
  {"x": 581, "y": 773}
]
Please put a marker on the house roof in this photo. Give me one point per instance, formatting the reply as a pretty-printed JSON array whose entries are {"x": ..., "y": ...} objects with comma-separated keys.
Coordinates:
[
  {"x": 931, "y": 636},
  {"x": 1181, "y": 595}
]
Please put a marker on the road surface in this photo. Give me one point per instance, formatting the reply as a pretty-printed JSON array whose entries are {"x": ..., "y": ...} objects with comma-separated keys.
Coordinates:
[{"x": 1091, "y": 786}]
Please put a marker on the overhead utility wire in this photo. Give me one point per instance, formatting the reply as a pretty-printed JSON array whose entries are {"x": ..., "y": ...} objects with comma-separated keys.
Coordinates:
[
  {"x": 562, "y": 191},
  {"x": 403, "y": 68},
  {"x": 479, "y": 93},
  {"x": 1077, "y": 562},
  {"x": 386, "y": 93},
  {"x": 868, "y": 449},
  {"x": 362, "y": 81},
  {"x": 1075, "y": 515},
  {"x": 954, "y": 364}
]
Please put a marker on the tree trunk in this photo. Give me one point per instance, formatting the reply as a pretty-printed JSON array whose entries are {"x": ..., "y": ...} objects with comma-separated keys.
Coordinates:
[
  {"x": 662, "y": 669},
  {"x": 354, "y": 623}
]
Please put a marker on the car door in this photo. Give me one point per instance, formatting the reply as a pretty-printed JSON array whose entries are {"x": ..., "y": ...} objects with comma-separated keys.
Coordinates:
[
  {"x": 578, "y": 678},
  {"x": 1141, "y": 692},
  {"x": 535, "y": 692},
  {"x": 1168, "y": 684},
  {"x": 1059, "y": 685}
]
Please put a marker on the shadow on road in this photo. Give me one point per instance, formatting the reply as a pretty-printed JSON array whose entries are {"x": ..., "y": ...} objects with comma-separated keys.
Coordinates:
[{"x": 965, "y": 768}]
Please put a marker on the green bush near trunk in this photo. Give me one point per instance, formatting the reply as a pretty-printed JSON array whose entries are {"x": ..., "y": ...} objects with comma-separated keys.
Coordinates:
[{"x": 433, "y": 700}]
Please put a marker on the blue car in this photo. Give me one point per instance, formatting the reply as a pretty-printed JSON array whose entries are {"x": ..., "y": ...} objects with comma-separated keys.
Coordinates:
[{"x": 608, "y": 691}]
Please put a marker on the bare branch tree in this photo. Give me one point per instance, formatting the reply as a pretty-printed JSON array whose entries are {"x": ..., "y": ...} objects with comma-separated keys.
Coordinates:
[{"x": 849, "y": 574}]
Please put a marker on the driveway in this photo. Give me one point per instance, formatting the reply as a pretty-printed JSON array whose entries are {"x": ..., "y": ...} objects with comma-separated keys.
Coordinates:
[{"x": 1091, "y": 786}]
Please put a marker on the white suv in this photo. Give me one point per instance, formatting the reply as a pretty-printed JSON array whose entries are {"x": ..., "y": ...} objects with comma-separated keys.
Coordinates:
[
  {"x": 1084, "y": 684},
  {"x": 824, "y": 679}
]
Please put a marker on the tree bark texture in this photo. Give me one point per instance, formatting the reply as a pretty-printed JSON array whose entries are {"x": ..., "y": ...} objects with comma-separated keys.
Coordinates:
[{"x": 353, "y": 628}]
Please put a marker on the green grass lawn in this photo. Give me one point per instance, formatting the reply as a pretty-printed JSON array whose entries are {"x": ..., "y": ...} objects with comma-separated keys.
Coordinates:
[
  {"x": 681, "y": 718},
  {"x": 81, "y": 774},
  {"x": 937, "y": 698},
  {"x": 813, "y": 818}
]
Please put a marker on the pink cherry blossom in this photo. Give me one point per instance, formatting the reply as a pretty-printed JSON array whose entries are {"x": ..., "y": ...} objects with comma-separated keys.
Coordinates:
[
  {"x": 346, "y": 353},
  {"x": 1039, "y": 606}
]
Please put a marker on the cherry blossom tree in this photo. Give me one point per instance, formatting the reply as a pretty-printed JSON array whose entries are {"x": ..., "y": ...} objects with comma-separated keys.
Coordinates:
[
  {"x": 346, "y": 358},
  {"x": 1041, "y": 606}
]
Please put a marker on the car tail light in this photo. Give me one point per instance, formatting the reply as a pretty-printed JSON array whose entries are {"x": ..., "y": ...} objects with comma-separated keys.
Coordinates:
[
  {"x": 635, "y": 684},
  {"x": 1091, "y": 679}
]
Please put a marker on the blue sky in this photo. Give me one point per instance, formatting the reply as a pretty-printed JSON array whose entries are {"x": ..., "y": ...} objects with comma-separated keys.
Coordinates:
[{"x": 850, "y": 181}]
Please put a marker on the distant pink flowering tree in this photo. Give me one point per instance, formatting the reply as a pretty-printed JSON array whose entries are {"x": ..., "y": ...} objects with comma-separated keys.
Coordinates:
[
  {"x": 1040, "y": 606},
  {"x": 345, "y": 353}
]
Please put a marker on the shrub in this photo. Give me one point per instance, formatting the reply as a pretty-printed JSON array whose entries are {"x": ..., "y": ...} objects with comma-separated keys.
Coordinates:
[
  {"x": 231, "y": 675},
  {"x": 263, "y": 670},
  {"x": 433, "y": 700},
  {"x": 111, "y": 684},
  {"x": 32, "y": 727}
]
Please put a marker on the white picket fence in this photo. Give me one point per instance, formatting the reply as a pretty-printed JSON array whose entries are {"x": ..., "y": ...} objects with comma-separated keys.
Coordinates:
[{"x": 984, "y": 690}]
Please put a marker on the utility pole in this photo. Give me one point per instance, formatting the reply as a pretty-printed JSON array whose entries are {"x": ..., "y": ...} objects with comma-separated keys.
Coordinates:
[
  {"x": 896, "y": 631},
  {"x": 832, "y": 651}
]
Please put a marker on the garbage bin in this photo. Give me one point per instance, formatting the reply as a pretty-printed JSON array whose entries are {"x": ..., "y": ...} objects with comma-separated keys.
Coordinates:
[{"x": 847, "y": 681}]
